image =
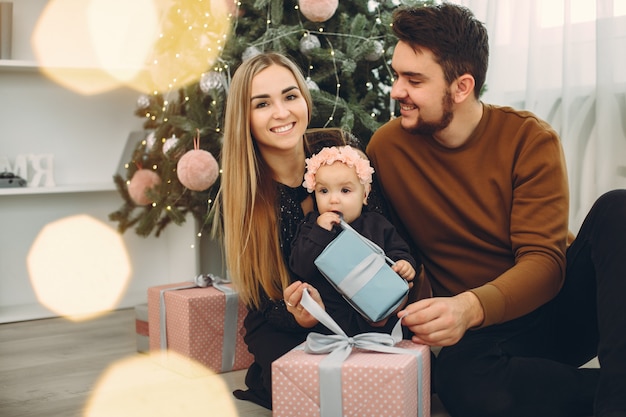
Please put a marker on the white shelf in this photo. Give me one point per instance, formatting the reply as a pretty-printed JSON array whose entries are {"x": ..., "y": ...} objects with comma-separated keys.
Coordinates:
[
  {"x": 7, "y": 65},
  {"x": 23, "y": 312},
  {"x": 36, "y": 311},
  {"x": 84, "y": 188},
  {"x": 18, "y": 65}
]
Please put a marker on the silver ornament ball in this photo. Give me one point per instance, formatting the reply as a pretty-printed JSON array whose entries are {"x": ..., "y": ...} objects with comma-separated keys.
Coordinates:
[
  {"x": 308, "y": 43},
  {"x": 143, "y": 102},
  {"x": 312, "y": 85},
  {"x": 377, "y": 51},
  {"x": 211, "y": 81}
]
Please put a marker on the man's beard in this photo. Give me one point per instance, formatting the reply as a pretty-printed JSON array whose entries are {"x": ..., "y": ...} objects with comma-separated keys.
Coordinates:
[{"x": 430, "y": 128}]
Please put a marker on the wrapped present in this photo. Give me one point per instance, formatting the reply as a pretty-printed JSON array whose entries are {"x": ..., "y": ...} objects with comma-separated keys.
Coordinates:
[
  {"x": 361, "y": 272},
  {"x": 142, "y": 328},
  {"x": 204, "y": 323},
  {"x": 382, "y": 376}
]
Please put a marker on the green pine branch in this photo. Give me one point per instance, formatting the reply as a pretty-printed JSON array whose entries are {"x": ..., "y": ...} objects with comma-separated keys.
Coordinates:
[{"x": 351, "y": 69}]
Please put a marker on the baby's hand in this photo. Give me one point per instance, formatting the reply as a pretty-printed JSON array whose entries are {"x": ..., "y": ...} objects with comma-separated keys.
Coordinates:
[
  {"x": 328, "y": 219},
  {"x": 405, "y": 270}
]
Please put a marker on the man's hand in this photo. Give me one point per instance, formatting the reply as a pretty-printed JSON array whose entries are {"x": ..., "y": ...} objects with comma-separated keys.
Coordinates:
[{"x": 442, "y": 321}]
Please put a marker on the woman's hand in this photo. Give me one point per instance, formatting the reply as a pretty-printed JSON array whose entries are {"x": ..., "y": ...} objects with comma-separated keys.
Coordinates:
[{"x": 293, "y": 295}]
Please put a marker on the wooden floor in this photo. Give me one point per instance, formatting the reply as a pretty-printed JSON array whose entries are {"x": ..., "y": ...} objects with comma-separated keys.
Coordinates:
[{"x": 57, "y": 367}]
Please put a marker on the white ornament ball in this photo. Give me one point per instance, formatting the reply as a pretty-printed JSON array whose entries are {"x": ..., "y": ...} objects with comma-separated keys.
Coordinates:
[
  {"x": 249, "y": 52},
  {"x": 150, "y": 140},
  {"x": 143, "y": 102},
  {"x": 169, "y": 144},
  {"x": 372, "y": 5},
  {"x": 197, "y": 170},
  {"x": 308, "y": 43},
  {"x": 140, "y": 183},
  {"x": 318, "y": 10}
]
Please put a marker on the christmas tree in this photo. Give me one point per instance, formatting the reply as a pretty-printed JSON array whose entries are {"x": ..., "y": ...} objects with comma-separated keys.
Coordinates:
[{"x": 343, "y": 48}]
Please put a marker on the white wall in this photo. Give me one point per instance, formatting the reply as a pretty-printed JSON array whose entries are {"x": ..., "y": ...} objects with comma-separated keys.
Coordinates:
[{"x": 86, "y": 135}]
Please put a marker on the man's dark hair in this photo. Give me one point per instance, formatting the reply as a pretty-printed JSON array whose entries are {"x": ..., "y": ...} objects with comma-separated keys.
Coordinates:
[{"x": 458, "y": 41}]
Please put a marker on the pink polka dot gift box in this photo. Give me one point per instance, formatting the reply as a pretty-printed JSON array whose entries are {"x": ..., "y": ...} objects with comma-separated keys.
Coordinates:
[
  {"x": 141, "y": 328},
  {"x": 372, "y": 384},
  {"x": 202, "y": 323},
  {"x": 362, "y": 376}
]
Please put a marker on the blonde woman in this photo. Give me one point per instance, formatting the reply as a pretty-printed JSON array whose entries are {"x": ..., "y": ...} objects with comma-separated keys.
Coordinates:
[{"x": 262, "y": 203}]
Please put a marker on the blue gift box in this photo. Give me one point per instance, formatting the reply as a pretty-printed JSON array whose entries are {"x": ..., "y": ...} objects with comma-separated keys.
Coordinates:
[{"x": 360, "y": 271}]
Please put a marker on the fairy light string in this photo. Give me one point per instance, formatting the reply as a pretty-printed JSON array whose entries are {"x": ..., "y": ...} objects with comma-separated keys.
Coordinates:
[
  {"x": 271, "y": 36},
  {"x": 163, "y": 113}
]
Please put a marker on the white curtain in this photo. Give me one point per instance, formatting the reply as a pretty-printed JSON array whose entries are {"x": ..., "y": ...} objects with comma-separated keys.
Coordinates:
[{"x": 565, "y": 60}]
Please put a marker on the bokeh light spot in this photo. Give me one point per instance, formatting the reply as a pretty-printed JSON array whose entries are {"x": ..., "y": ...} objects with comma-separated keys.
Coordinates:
[
  {"x": 192, "y": 36},
  {"x": 78, "y": 267},
  {"x": 160, "y": 384},
  {"x": 74, "y": 51},
  {"x": 122, "y": 34},
  {"x": 93, "y": 46}
]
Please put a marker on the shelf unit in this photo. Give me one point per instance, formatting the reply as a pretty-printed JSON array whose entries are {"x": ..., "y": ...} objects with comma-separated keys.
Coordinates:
[
  {"x": 7, "y": 65},
  {"x": 64, "y": 189},
  {"x": 87, "y": 136}
]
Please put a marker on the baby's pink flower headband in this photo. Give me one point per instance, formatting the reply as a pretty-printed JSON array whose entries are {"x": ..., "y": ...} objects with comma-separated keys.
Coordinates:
[{"x": 343, "y": 154}]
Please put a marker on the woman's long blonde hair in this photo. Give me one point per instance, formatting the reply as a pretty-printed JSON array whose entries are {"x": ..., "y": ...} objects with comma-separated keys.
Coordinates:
[{"x": 248, "y": 194}]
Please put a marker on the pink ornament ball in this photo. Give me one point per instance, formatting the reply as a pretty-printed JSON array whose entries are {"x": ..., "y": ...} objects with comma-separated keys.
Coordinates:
[
  {"x": 142, "y": 181},
  {"x": 318, "y": 10},
  {"x": 197, "y": 170}
]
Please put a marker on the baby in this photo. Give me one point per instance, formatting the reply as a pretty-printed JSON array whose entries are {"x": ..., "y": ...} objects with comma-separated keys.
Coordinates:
[{"x": 341, "y": 178}]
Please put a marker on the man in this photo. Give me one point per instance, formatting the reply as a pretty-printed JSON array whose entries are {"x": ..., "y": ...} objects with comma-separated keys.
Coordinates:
[{"x": 481, "y": 192}]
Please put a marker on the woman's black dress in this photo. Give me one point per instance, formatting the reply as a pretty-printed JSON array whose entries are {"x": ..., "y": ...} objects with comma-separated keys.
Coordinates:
[{"x": 271, "y": 331}]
